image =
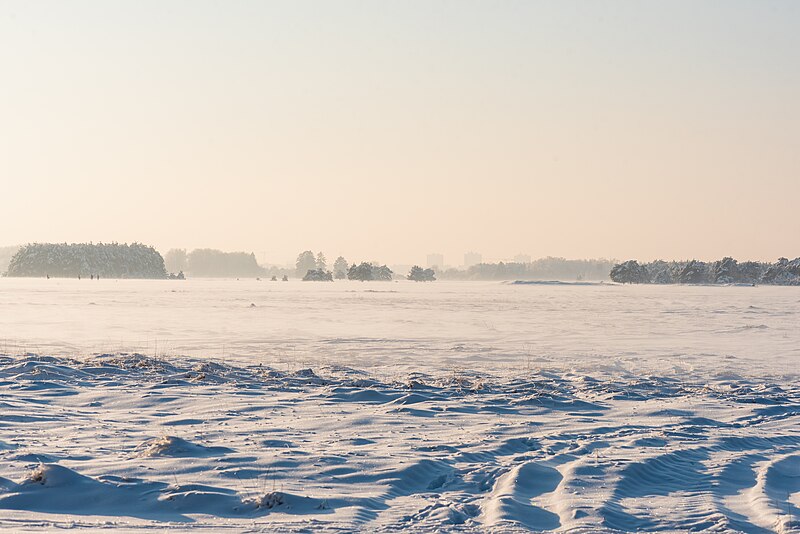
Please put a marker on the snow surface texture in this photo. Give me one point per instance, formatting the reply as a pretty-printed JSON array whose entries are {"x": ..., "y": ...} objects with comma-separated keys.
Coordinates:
[{"x": 400, "y": 406}]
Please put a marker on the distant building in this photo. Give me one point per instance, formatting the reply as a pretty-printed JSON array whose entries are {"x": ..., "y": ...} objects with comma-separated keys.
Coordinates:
[
  {"x": 472, "y": 258},
  {"x": 435, "y": 261},
  {"x": 522, "y": 258}
]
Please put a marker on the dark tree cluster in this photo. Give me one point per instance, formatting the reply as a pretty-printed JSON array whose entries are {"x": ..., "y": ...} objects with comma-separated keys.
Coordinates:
[
  {"x": 725, "y": 271},
  {"x": 418, "y": 274},
  {"x": 368, "y": 271},
  {"x": 318, "y": 275},
  {"x": 108, "y": 260},
  {"x": 631, "y": 272}
]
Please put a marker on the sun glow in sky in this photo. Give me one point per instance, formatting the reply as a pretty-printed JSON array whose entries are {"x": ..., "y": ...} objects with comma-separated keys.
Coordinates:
[{"x": 389, "y": 130}]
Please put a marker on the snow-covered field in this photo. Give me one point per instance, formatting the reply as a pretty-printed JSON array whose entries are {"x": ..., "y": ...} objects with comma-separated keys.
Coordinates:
[{"x": 269, "y": 406}]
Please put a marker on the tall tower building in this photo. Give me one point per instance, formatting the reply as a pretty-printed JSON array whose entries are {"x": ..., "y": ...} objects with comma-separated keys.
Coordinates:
[
  {"x": 472, "y": 258},
  {"x": 435, "y": 261}
]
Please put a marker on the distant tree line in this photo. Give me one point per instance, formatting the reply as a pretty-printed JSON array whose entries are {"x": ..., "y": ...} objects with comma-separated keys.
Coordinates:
[
  {"x": 308, "y": 266},
  {"x": 6, "y": 253},
  {"x": 207, "y": 262},
  {"x": 108, "y": 260},
  {"x": 725, "y": 271},
  {"x": 139, "y": 261},
  {"x": 542, "y": 269}
]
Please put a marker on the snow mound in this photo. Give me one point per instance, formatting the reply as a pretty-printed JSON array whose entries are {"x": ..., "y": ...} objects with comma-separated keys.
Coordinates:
[
  {"x": 334, "y": 449},
  {"x": 55, "y": 489},
  {"x": 174, "y": 447}
]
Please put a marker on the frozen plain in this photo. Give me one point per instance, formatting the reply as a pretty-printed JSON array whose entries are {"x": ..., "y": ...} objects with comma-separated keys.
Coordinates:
[{"x": 452, "y": 406}]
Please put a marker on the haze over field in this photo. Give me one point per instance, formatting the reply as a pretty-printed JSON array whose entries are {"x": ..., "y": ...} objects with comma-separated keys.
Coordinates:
[
  {"x": 400, "y": 266},
  {"x": 396, "y": 129}
]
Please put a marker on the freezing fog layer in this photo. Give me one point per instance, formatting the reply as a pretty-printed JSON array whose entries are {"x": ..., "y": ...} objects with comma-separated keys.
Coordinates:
[{"x": 440, "y": 325}]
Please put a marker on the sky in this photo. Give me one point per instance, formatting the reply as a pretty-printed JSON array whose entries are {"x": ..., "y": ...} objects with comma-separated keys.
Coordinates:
[{"x": 389, "y": 130}]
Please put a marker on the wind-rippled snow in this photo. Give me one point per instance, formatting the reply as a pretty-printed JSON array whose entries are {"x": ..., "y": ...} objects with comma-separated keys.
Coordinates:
[{"x": 267, "y": 406}]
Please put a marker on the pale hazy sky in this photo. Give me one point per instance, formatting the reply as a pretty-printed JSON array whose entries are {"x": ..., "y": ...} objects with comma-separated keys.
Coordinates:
[{"x": 388, "y": 130}]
